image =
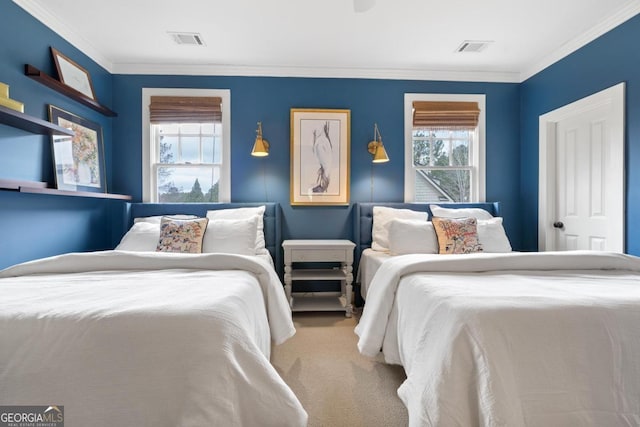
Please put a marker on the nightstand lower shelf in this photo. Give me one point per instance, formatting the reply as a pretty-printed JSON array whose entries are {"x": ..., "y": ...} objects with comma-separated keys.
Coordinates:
[{"x": 318, "y": 301}]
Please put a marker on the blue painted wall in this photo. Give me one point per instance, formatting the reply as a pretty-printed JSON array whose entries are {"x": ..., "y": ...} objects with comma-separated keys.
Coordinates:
[
  {"x": 605, "y": 62},
  {"x": 269, "y": 100},
  {"x": 46, "y": 225},
  {"x": 36, "y": 226}
]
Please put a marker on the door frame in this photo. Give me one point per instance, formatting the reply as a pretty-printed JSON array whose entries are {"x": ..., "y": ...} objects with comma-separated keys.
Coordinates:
[{"x": 613, "y": 96}]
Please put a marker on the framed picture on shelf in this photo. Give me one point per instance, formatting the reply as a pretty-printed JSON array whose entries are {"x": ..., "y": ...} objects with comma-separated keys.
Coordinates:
[
  {"x": 72, "y": 74},
  {"x": 79, "y": 159},
  {"x": 320, "y": 140}
]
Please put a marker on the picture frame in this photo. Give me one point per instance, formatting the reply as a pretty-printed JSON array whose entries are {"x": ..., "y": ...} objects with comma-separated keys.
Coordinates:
[
  {"x": 72, "y": 74},
  {"x": 320, "y": 156},
  {"x": 78, "y": 160}
]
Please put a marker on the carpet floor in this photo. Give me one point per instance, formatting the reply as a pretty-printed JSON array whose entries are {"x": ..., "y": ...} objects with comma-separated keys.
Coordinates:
[{"x": 336, "y": 384}]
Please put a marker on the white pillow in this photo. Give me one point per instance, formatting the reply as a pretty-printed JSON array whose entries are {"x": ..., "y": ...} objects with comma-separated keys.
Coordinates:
[
  {"x": 492, "y": 236},
  {"x": 382, "y": 216},
  {"x": 476, "y": 213},
  {"x": 412, "y": 236},
  {"x": 244, "y": 213},
  {"x": 141, "y": 237},
  {"x": 231, "y": 236}
]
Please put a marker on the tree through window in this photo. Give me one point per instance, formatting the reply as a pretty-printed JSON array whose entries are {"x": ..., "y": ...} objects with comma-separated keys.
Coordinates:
[
  {"x": 190, "y": 155},
  {"x": 441, "y": 163}
]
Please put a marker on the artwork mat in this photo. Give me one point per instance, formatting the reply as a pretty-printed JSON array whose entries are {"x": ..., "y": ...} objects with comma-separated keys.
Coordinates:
[
  {"x": 68, "y": 178},
  {"x": 303, "y": 121},
  {"x": 72, "y": 74}
]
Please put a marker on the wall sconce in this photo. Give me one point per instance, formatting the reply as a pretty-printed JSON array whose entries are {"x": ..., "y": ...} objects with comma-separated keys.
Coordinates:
[
  {"x": 376, "y": 147},
  {"x": 261, "y": 146}
]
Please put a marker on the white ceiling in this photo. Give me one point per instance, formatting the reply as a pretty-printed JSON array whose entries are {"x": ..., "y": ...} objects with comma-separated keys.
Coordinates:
[{"x": 407, "y": 39}]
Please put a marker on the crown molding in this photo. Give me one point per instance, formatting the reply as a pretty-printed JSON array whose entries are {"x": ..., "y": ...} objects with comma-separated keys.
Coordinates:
[
  {"x": 315, "y": 72},
  {"x": 624, "y": 14},
  {"x": 64, "y": 31}
]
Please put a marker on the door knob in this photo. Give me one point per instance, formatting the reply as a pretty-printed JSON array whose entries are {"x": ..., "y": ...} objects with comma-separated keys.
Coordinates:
[{"x": 558, "y": 224}]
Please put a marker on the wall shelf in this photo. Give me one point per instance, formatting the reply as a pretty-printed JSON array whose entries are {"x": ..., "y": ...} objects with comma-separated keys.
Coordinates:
[
  {"x": 47, "y": 80},
  {"x": 31, "y": 124},
  {"x": 36, "y": 187}
]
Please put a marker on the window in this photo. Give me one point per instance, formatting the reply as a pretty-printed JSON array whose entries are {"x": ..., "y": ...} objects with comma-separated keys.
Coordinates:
[
  {"x": 444, "y": 148},
  {"x": 186, "y": 148}
]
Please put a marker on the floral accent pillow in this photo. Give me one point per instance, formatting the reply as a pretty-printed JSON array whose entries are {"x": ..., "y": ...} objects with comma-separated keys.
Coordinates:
[
  {"x": 457, "y": 236},
  {"x": 181, "y": 235}
]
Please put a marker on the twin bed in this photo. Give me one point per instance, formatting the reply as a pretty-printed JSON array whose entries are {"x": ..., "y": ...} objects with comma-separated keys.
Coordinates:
[
  {"x": 137, "y": 337},
  {"x": 505, "y": 339}
]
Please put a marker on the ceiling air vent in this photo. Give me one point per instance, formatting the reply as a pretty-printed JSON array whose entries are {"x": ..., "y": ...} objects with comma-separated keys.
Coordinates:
[
  {"x": 473, "y": 46},
  {"x": 193, "y": 39}
]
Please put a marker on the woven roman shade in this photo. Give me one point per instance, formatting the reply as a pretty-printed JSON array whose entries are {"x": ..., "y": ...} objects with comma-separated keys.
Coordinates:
[
  {"x": 185, "y": 109},
  {"x": 445, "y": 114}
]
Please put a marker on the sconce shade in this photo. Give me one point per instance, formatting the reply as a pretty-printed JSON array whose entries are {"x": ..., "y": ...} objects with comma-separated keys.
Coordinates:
[
  {"x": 379, "y": 153},
  {"x": 261, "y": 146},
  {"x": 376, "y": 147}
]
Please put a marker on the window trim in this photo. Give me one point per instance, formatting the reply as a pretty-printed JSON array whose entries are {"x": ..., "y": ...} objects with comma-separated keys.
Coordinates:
[
  {"x": 148, "y": 153},
  {"x": 478, "y": 176}
]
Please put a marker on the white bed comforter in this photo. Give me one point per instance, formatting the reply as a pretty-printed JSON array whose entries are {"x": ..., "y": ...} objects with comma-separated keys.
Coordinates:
[
  {"x": 519, "y": 339},
  {"x": 146, "y": 339}
]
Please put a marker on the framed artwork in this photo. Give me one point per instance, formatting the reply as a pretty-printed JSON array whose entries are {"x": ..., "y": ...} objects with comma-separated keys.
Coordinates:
[
  {"x": 73, "y": 75},
  {"x": 320, "y": 153},
  {"x": 79, "y": 159}
]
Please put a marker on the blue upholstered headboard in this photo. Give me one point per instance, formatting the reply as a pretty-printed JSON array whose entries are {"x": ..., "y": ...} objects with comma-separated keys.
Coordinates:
[
  {"x": 272, "y": 219},
  {"x": 363, "y": 218}
]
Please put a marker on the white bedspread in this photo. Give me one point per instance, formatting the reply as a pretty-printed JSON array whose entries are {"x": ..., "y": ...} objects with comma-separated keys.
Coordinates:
[
  {"x": 518, "y": 339},
  {"x": 146, "y": 339},
  {"x": 370, "y": 262}
]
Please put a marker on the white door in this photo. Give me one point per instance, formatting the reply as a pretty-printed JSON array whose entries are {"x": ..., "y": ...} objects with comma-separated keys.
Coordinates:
[{"x": 582, "y": 174}]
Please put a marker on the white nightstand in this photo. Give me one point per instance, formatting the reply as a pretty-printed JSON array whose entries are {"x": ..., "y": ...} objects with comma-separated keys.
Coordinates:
[{"x": 319, "y": 251}]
